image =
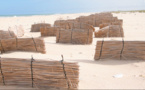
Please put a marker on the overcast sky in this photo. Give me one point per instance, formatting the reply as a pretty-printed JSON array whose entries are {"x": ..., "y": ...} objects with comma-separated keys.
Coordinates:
[{"x": 67, "y": 6}]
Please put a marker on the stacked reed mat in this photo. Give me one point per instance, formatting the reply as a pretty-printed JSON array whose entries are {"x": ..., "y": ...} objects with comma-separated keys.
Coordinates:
[
  {"x": 22, "y": 44},
  {"x": 74, "y": 36},
  {"x": 7, "y": 34},
  {"x": 18, "y": 30},
  {"x": 39, "y": 74},
  {"x": 116, "y": 50},
  {"x": 36, "y": 27},
  {"x": 48, "y": 31},
  {"x": 110, "y": 31}
]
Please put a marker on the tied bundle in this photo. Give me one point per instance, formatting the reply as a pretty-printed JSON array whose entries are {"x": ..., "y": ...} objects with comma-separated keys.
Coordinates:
[
  {"x": 74, "y": 36},
  {"x": 37, "y": 27},
  {"x": 39, "y": 74},
  {"x": 22, "y": 44},
  {"x": 48, "y": 31},
  {"x": 120, "y": 50},
  {"x": 110, "y": 31}
]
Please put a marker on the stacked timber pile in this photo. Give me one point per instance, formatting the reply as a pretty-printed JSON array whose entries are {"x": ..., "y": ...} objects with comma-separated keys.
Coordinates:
[
  {"x": 110, "y": 31},
  {"x": 7, "y": 34},
  {"x": 125, "y": 50},
  {"x": 48, "y": 31},
  {"x": 18, "y": 30},
  {"x": 74, "y": 36},
  {"x": 22, "y": 44},
  {"x": 39, "y": 74},
  {"x": 36, "y": 27}
]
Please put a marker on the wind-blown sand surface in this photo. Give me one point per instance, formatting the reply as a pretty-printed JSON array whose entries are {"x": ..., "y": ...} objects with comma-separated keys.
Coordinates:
[{"x": 93, "y": 74}]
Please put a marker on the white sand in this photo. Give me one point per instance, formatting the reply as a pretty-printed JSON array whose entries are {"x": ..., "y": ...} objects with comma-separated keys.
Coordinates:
[{"x": 93, "y": 74}]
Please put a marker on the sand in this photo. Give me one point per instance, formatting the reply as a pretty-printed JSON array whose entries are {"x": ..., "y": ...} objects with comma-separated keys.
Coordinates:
[{"x": 93, "y": 74}]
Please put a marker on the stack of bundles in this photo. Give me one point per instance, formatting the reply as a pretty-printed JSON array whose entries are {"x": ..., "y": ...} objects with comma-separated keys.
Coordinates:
[
  {"x": 36, "y": 27},
  {"x": 48, "y": 31},
  {"x": 74, "y": 36},
  {"x": 18, "y": 30},
  {"x": 126, "y": 50},
  {"x": 22, "y": 44},
  {"x": 117, "y": 22},
  {"x": 40, "y": 74},
  {"x": 7, "y": 34},
  {"x": 110, "y": 31}
]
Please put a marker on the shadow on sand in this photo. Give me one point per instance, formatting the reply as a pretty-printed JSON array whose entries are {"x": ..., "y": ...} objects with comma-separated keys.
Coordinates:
[{"x": 109, "y": 62}]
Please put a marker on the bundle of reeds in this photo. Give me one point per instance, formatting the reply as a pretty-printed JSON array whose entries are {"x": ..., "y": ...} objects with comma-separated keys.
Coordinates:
[
  {"x": 7, "y": 34},
  {"x": 48, "y": 31},
  {"x": 64, "y": 24},
  {"x": 40, "y": 74},
  {"x": 36, "y": 27},
  {"x": 96, "y": 19},
  {"x": 116, "y": 50},
  {"x": 22, "y": 44},
  {"x": 73, "y": 25},
  {"x": 117, "y": 22},
  {"x": 18, "y": 30},
  {"x": 81, "y": 26},
  {"x": 110, "y": 31},
  {"x": 74, "y": 36}
]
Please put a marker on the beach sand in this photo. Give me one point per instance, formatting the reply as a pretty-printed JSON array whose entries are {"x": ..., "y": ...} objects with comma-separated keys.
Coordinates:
[{"x": 93, "y": 74}]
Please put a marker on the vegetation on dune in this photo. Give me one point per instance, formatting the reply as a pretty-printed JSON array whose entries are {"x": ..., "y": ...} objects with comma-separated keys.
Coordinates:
[{"x": 131, "y": 11}]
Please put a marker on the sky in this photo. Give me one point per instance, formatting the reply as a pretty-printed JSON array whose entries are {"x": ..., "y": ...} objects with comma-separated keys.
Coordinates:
[{"x": 24, "y": 7}]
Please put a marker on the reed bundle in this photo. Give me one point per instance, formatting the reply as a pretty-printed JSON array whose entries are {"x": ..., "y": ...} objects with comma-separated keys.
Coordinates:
[
  {"x": 96, "y": 19},
  {"x": 39, "y": 74},
  {"x": 116, "y": 50},
  {"x": 22, "y": 44},
  {"x": 73, "y": 25},
  {"x": 36, "y": 27},
  {"x": 48, "y": 31},
  {"x": 64, "y": 24},
  {"x": 110, "y": 31},
  {"x": 74, "y": 36},
  {"x": 117, "y": 22}
]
